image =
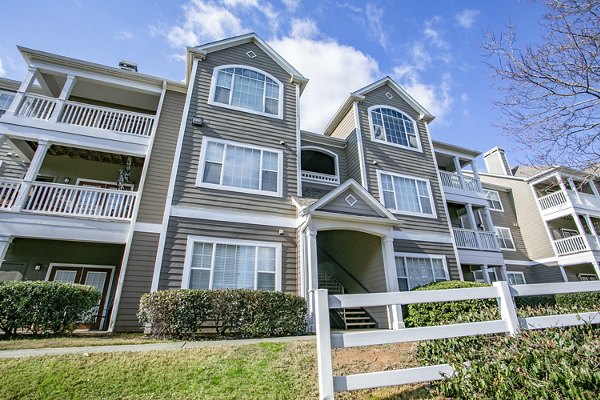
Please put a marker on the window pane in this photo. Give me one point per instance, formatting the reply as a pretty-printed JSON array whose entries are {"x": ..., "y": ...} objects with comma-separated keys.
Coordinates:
[
  {"x": 222, "y": 95},
  {"x": 234, "y": 267},
  {"x": 199, "y": 279},
  {"x": 438, "y": 268},
  {"x": 224, "y": 79},
  {"x": 202, "y": 255},
  {"x": 270, "y": 160},
  {"x": 248, "y": 92},
  {"x": 266, "y": 281},
  {"x": 65, "y": 276},
  {"x": 5, "y": 101},
  {"x": 406, "y": 195},
  {"x": 400, "y": 267},
  {"x": 403, "y": 284},
  {"x": 242, "y": 167},
  {"x": 214, "y": 152},
  {"x": 269, "y": 181},
  {"x": 393, "y": 127},
  {"x": 419, "y": 271},
  {"x": 266, "y": 259},
  {"x": 212, "y": 173},
  {"x": 272, "y": 106}
]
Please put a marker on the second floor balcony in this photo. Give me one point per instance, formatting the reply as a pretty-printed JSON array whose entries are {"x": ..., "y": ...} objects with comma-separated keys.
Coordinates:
[
  {"x": 557, "y": 196},
  {"x": 475, "y": 240}
]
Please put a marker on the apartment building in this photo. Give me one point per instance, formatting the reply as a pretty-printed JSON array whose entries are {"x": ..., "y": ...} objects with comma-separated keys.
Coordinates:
[{"x": 134, "y": 183}]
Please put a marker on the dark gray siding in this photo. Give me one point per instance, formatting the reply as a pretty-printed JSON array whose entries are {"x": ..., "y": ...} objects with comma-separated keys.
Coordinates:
[
  {"x": 352, "y": 157},
  {"x": 12, "y": 166},
  {"x": 402, "y": 161},
  {"x": 180, "y": 228},
  {"x": 339, "y": 205},
  {"x": 138, "y": 280},
  {"x": 242, "y": 127},
  {"x": 444, "y": 249},
  {"x": 152, "y": 204}
]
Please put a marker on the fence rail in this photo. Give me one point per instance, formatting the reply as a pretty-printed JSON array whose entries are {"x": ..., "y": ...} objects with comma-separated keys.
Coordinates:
[
  {"x": 552, "y": 200},
  {"x": 8, "y": 192},
  {"x": 570, "y": 245},
  {"x": 320, "y": 178},
  {"x": 509, "y": 323},
  {"x": 38, "y": 107}
]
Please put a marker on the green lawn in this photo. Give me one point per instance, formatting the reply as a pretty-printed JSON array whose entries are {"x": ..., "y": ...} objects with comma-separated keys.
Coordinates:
[
  {"x": 31, "y": 342},
  {"x": 263, "y": 371}
]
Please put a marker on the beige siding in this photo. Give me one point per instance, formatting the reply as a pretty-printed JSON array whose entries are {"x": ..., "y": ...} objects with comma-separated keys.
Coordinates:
[
  {"x": 346, "y": 125},
  {"x": 339, "y": 205},
  {"x": 401, "y": 161},
  {"x": 138, "y": 279},
  {"x": 154, "y": 195},
  {"x": 531, "y": 225},
  {"x": 180, "y": 228},
  {"x": 430, "y": 248},
  {"x": 242, "y": 127}
]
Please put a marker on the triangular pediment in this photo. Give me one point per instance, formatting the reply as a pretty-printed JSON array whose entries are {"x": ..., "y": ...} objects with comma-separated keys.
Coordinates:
[{"x": 350, "y": 198}]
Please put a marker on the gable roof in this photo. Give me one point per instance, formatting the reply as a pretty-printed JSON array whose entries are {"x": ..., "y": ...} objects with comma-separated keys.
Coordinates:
[
  {"x": 359, "y": 95},
  {"x": 203, "y": 50},
  {"x": 360, "y": 192}
]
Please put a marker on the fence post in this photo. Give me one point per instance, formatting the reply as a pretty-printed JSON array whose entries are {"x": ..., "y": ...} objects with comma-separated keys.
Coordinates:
[
  {"x": 508, "y": 311},
  {"x": 325, "y": 367}
]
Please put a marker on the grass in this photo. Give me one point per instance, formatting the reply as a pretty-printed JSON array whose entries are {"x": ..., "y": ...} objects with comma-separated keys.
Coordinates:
[
  {"x": 75, "y": 340},
  {"x": 262, "y": 371}
]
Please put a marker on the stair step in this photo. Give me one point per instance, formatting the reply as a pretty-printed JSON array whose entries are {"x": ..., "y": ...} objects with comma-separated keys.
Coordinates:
[
  {"x": 360, "y": 323},
  {"x": 357, "y": 318}
]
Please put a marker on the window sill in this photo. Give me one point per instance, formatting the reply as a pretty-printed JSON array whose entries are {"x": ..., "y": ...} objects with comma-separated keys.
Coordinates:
[
  {"x": 238, "y": 190},
  {"x": 246, "y": 110}
]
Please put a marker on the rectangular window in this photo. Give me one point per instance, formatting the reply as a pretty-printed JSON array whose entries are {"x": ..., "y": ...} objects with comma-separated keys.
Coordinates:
[
  {"x": 413, "y": 270},
  {"x": 405, "y": 194},
  {"x": 516, "y": 278},
  {"x": 243, "y": 168},
  {"x": 231, "y": 264},
  {"x": 493, "y": 198},
  {"x": 6, "y": 99},
  {"x": 505, "y": 238}
]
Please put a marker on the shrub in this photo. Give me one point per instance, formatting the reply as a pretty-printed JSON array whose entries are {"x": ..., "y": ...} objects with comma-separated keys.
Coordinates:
[
  {"x": 557, "y": 304},
  {"x": 39, "y": 306},
  {"x": 235, "y": 313}
]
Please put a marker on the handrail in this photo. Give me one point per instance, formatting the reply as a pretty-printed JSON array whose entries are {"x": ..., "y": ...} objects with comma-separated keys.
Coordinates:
[{"x": 337, "y": 264}]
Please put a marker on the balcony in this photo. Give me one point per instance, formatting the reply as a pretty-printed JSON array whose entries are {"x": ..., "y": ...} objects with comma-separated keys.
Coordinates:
[
  {"x": 475, "y": 240},
  {"x": 567, "y": 201},
  {"x": 67, "y": 200},
  {"x": 317, "y": 177},
  {"x": 468, "y": 189},
  {"x": 576, "y": 244}
]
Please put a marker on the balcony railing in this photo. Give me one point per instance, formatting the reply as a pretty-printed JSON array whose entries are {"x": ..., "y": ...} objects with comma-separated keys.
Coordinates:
[
  {"x": 320, "y": 178},
  {"x": 8, "y": 192},
  {"x": 570, "y": 245},
  {"x": 452, "y": 180},
  {"x": 552, "y": 200},
  {"x": 78, "y": 201},
  {"x": 88, "y": 116},
  {"x": 468, "y": 239}
]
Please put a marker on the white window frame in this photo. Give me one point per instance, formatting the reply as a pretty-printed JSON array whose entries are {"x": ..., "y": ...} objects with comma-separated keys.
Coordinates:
[
  {"x": 213, "y": 86},
  {"x": 509, "y": 273},
  {"x": 335, "y": 160},
  {"x": 419, "y": 148},
  {"x": 189, "y": 253},
  {"x": 10, "y": 94},
  {"x": 487, "y": 191},
  {"x": 496, "y": 229},
  {"x": 402, "y": 212},
  {"x": 202, "y": 163},
  {"x": 421, "y": 255}
]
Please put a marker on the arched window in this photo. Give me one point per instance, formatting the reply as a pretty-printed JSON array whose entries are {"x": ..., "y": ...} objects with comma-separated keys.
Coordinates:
[
  {"x": 247, "y": 89},
  {"x": 319, "y": 165},
  {"x": 393, "y": 126}
]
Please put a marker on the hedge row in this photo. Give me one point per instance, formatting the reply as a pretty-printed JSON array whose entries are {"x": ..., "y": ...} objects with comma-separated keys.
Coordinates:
[
  {"x": 44, "y": 307},
  {"x": 235, "y": 313}
]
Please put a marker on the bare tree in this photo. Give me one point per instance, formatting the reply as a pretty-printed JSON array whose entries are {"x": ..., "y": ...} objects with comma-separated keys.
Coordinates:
[{"x": 550, "y": 92}]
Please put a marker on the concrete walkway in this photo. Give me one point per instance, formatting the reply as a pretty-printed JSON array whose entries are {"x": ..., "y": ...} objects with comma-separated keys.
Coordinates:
[{"x": 145, "y": 347}]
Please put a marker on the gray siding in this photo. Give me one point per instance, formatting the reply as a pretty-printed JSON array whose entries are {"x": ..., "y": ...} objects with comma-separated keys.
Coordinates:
[
  {"x": 340, "y": 152},
  {"x": 138, "y": 280},
  {"x": 444, "y": 249},
  {"x": 531, "y": 225},
  {"x": 242, "y": 127},
  {"x": 402, "y": 161},
  {"x": 152, "y": 203},
  {"x": 339, "y": 205},
  {"x": 352, "y": 157},
  {"x": 572, "y": 271},
  {"x": 12, "y": 167},
  {"x": 180, "y": 228}
]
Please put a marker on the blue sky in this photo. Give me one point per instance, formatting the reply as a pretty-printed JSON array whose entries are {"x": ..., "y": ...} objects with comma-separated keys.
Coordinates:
[{"x": 431, "y": 48}]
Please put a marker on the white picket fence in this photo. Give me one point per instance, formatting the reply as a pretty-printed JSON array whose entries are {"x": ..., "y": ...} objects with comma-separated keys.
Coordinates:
[{"x": 509, "y": 323}]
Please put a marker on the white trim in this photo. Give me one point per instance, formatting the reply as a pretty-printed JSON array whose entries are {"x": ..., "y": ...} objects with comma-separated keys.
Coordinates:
[
  {"x": 325, "y": 151},
  {"x": 201, "y": 164},
  {"x": 490, "y": 203},
  {"x": 213, "y": 85},
  {"x": 361, "y": 150},
  {"x": 419, "y": 148},
  {"x": 497, "y": 228},
  {"x": 147, "y": 227},
  {"x": 402, "y": 212},
  {"x": 508, "y": 273},
  {"x": 544, "y": 261},
  {"x": 422, "y": 236},
  {"x": 85, "y": 180},
  {"x": 185, "y": 280},
  {"x": 177, "y": 156},
  {"x": 75, "y": 265},
  {"x": 298, "y": 144},
  {"x": 425, "y": 256},
  {"x": 216, "y": 214}
]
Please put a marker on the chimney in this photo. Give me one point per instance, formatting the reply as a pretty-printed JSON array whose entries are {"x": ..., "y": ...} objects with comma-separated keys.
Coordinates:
[
  {"x": 496, "y": 162},
  {"x": 128, "y": 66}
]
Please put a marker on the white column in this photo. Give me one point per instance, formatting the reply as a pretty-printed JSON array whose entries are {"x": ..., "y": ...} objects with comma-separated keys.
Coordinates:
[
  {"x": 588, "y": 221},
  {"x": 5, "y": 241},
  {"x": 503, "y": 273},
  {"x": 594, "y": 188},
  {"x": 472, "y": 222},
  {"x": 596, "y": 266},
  {"x": 490, "y": 225},
  {"x": 32, "y": 172},
  {"x": 64, "y": 95},
  {"x": 562, "y": 185},
  {"x": 313, "y": 273},
  {"x": 581, "y": 230},
  {"x": 395, "y": 320},
  {"x": 458, "y": 169},
  {"x": 574, "y": 188},
  {"x": 24, "y": 88},
  {"x": 476, "y": 174},
  {"x": 485, "y": 273}
]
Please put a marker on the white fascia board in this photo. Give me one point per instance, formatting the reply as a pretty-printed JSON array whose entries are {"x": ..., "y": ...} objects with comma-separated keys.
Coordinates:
[
  {"x": 422, "y": 236},
  {"x": 341, "y": 112},
  {"x": 215, "y": 214}
]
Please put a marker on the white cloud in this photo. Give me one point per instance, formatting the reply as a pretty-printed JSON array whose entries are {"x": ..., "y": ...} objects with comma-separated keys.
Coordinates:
[
  {"x": 304, "y": 28},
  {"x": 241, "y": 3},
  {"x": 2, "y": 71},
  {"x": 126, "y": 35},
  {"x": 334, "y": 71},
  {"x": 436, "y": 98},
  {"x": 466, "y": 18},
  {"x": 291, "y": 5},
  {"x": 464, "y": 97},
  {"x": 375, "y": 24},
  {"x": 433, "y": 33}
]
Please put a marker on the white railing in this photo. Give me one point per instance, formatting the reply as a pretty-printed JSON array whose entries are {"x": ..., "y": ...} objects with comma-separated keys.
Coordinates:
[
  {"x": 8, "y": 192},
  {"x": 584, "y": 200},
  {"x": 570, "y": 245},
  {"x": 320, "y": 178},
  {"x": 107, "y": 118},
  {"x": 488, "y": 240},
  {"x": 552, "y": 200},
  {"x": 465, "y": 238},
  {"x": 450, "y": 179},
  {"x": 472, "y": 184},
  {"x": 509, "y": 323},
  {"x": 58, "y": 199},
  {"x": 38, "y": 107}
]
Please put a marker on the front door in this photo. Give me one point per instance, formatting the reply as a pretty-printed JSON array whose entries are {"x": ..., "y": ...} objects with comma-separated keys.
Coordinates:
[{"x": 97, "y": 277}]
